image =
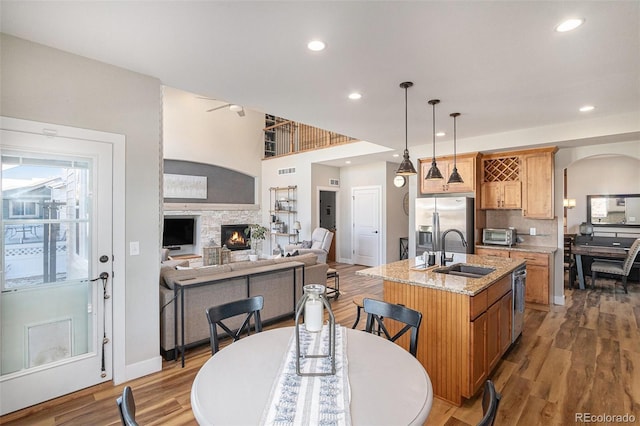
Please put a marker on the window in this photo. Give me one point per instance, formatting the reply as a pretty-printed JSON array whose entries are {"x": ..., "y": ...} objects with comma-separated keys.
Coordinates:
[{"x": 23, "y": 209}]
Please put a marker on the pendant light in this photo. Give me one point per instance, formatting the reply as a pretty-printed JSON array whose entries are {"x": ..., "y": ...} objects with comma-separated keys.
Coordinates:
[
  {"x": 406, "y": 167},
  {"x": 455, "y": 176},
  {"x": 434, "y": 172}
]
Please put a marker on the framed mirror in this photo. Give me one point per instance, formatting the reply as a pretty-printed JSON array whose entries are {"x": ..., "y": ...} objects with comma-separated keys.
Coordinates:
[{"x": 613, "y": 210}]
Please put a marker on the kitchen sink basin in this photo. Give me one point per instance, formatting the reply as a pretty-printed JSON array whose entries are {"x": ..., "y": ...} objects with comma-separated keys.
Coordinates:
[{"x": 463, "y": 270}]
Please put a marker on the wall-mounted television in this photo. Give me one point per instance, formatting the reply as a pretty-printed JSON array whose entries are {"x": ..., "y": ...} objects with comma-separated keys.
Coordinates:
[{"x": 178, "y": 231}]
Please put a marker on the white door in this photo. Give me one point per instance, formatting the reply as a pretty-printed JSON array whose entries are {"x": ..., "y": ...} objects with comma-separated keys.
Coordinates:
[
  {"x": 366, "y": 226},
  {"x": 55, "y": 309}
]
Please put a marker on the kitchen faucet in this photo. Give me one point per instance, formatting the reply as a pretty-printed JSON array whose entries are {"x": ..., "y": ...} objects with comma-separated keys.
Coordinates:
[{"x": 443, "y": 255}]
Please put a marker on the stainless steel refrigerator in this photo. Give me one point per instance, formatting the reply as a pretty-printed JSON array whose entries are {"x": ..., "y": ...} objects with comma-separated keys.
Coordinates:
[{"x": 434, "y": 215}]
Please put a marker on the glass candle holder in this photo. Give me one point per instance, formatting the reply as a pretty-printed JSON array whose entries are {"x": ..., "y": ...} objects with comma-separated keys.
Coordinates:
[
  {"x": 313, "y": 308},
  {"x": 311, "y": 305}
]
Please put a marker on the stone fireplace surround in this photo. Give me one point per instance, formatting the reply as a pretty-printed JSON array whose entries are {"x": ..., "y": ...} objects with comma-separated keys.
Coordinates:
[{"x": 209, "y": 223}]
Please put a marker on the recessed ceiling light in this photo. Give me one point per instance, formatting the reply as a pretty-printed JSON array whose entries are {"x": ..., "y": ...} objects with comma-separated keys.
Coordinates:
[
  {"x": 569, "y": 24},
  {"x": 396, "y": 155},
  {"x": 348, "y": 161},
  {"x": 587, "y": 108},
  {"x": 316, "y": 45},
  {"x": 440, "y": 134},
  {"x": 355, "y": 96}
]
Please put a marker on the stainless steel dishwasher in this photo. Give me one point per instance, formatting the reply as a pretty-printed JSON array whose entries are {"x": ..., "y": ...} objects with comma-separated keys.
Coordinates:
[{"x": 518, "y": 285}]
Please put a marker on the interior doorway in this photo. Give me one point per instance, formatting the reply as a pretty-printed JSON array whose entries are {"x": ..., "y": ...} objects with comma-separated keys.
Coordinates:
[{"x": 327, "y": 218}]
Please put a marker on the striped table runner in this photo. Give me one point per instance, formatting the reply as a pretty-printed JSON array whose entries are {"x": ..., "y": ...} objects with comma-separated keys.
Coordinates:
[{"x": 303, "y": 400}]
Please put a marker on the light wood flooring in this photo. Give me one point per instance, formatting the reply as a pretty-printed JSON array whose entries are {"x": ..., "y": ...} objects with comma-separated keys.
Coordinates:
[{"x": 581, "y": 357}]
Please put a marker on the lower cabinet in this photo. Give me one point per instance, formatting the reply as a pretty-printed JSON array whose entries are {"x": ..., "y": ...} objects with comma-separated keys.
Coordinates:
[
  {"x": 538, "y": 265},
  {"x": 490, "y": 339},
  {"x": 462, "y": 337}
]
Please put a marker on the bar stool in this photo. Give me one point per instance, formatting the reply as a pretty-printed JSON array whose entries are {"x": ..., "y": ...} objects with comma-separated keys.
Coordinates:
[
  {"x": 359, "y": 302},
  {"x": 335, "y": 290}
]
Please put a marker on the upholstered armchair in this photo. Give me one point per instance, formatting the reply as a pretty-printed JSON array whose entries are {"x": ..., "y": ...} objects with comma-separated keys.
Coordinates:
[{"x": 320, "y": 244}]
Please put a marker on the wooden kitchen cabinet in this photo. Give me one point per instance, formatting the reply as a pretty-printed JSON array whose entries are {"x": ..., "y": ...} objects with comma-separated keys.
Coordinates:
[
  {"x": 464, "y": 337},
  {"x": 481, "y": 251},
  {"x": 490, "y": 331},
  {"x": 537, "y": 290},
  {"x": 537, "y": 188},
  {"x": 500, "y": 195},
  {"x": 478, "y": 362},
  {"x": 500, "y": 186},
  {"x": 506, "y": 320},
  {"x": 466, "y": 165}
]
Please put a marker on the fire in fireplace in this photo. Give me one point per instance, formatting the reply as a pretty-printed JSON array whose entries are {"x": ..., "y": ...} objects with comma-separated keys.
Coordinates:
[{"x": 234, "y": 238}]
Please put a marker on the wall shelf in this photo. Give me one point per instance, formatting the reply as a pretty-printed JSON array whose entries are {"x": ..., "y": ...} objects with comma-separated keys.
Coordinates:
[{"x": 283, "y": 212}]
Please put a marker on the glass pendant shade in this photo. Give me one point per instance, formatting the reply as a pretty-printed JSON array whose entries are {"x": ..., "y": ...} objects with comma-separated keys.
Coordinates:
[
  {"x": 455, "y": 176},
  {"x": 434, "y": 172},
  {"x": 406, "y": 167}
]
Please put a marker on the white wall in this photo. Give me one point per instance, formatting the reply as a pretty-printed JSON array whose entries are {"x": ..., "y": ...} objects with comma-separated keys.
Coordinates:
[
  {"x": 48, "y": 85},
  {"x": 350, "y": 177},
  {"x": 397, "y": 220},
  {"x": 219, "y": 137},
  {"x": 321, "y": 176},
  {"x": 615, "y": 174},
  {"x": 565, "y": 157}
]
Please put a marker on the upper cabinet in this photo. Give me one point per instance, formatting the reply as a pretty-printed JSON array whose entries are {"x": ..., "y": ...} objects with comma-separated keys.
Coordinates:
[
  {"x": 500, "y": 186},
  {"x": 519, "y": 180},
  {"x": 466, "y": 165},
  {"x": 537, "y": 187}
]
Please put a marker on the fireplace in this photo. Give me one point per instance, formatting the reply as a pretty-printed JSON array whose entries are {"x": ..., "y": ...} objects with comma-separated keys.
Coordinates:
[{"x": 234, "y": 238}]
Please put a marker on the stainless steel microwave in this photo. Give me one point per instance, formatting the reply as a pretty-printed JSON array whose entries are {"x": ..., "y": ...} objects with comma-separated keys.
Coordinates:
[{"x": 502, "y": 237}]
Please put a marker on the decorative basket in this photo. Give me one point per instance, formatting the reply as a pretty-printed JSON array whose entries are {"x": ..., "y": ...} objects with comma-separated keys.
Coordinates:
[{"x": 212, "y": 256}]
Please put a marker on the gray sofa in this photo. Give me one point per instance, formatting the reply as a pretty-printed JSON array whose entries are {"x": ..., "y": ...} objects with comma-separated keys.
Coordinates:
[{"x": 213, "y": 285}]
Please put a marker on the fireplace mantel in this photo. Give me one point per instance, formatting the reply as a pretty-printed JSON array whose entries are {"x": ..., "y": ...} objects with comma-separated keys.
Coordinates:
[{"x": 208, "y": 206}]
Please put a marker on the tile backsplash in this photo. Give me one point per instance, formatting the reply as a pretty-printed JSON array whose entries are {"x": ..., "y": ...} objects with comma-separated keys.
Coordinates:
[{"x": 546, "y": 229}]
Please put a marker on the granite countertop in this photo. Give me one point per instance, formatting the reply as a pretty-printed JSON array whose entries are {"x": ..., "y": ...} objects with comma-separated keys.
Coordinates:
[
  {"x": 402, "y": 271},
  {"x": 521, "y": 247}
]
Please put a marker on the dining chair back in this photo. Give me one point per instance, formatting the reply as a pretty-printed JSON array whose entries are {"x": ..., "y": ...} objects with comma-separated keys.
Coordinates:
[
  {"x": 250, "y": 307},
  {"x": 490, "y": 402},
  {"x": 616, "y": 268},
  {"x": 378, "y": 311},
  {"x": 569, "y": 259},
  {"x": 127, "y": 406}
]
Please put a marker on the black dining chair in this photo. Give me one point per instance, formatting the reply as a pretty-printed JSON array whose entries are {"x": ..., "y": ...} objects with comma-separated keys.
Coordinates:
[
  {"x": 490, "y": 402},
  {"x": 251, "y": 307},
  {"x": 616, "y": 268},
  {"x": 377, "y": 311},
  {"x": 127, "y": 406},
  {"x": 569, "y": 259}
]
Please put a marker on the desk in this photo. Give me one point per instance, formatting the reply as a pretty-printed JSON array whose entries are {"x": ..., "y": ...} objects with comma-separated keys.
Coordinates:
[
  {"x": 388, "y": 385},
  {"x": 613, "y": 253}
]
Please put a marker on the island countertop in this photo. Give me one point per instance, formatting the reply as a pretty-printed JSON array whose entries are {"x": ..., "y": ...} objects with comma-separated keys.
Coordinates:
[{"x": 406, "y": 271}]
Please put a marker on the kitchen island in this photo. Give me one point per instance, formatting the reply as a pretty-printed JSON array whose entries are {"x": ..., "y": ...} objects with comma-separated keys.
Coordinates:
[{"x": 466, "y": 321}]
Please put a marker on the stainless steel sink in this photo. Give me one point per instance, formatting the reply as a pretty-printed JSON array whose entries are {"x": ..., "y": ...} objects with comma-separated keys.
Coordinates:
[{"x": 464, "y": 270}]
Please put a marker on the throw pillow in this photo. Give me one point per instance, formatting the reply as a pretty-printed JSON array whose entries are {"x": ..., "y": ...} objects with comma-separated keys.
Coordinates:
[{"x": 306, "y": 244}]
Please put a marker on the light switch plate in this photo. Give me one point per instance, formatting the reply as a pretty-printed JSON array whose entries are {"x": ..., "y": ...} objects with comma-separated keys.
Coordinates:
[
  {"x": 532, "y": 231},
  {"x": 134, "y": 248}
]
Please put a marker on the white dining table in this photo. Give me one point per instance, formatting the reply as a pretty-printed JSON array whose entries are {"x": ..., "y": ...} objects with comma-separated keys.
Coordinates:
[{"x": 388, "y": 385}]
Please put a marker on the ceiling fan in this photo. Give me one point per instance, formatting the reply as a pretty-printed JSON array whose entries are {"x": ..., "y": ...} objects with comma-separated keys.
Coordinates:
[{"x": 238, "y": 109}]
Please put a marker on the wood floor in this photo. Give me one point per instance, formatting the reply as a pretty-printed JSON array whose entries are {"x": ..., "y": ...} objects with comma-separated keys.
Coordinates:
[{"x": 583, "y": 357}]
